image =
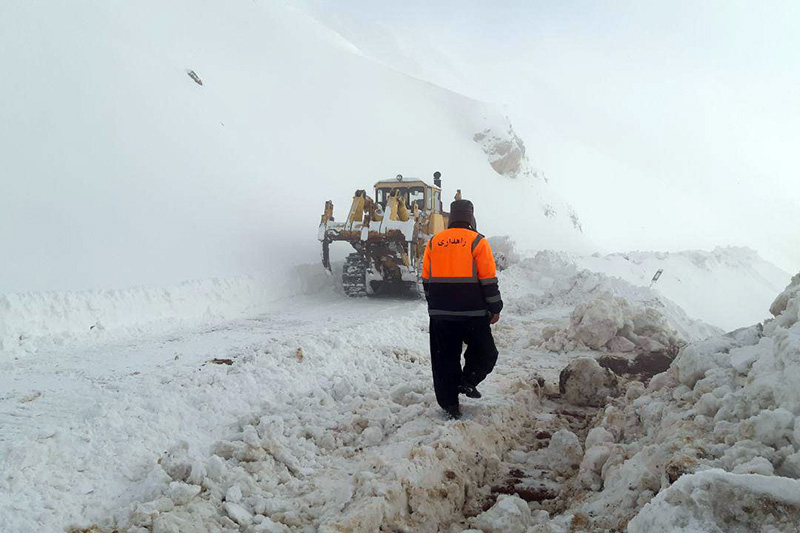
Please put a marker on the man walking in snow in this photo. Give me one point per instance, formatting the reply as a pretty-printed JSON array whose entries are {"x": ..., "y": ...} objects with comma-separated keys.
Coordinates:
[{"x": 460, "y": 281}]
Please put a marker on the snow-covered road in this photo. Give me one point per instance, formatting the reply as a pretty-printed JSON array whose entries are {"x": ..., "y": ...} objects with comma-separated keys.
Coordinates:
[
  {"x": 323, "y": 420},
  {"x": 83, "y": 425}
]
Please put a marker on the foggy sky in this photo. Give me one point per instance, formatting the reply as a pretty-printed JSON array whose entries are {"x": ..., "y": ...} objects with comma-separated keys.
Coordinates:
[{"x": 668, "y": 125}]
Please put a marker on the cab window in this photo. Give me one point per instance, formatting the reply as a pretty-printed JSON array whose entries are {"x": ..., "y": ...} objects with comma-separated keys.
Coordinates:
[
  {"x": 381, "y": 195},
  {"x": 416, "y": 195}
]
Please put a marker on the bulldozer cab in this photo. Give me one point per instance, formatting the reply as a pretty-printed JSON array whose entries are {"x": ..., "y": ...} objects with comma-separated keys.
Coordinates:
[{"x": 412, "y": 192}]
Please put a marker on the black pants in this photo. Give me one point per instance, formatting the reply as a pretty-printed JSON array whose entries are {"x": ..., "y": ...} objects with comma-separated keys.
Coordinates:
[{"x": 480, "y": 357}]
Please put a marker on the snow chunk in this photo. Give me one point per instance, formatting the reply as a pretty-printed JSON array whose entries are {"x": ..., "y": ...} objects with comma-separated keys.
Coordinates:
[
  {"x": 596, "y": 322},
  {"x": 757, "y": 465},
  {"x": 562, "y": 455},
  {"x": 715, "y": 500},
  {"x": 407, "y": 394},
  {"x": 268, "y": 526},
  {"x": 696, "y": 359},
  {"x": 772, "y": 427},
  {"x": 372, "y": 436},
  {"x": 234, "y": 494},
  {"x": 621, "y": 344},
  {"x": 182, "y": 493},
  {"x": 599, "y": 447},
  {"x": 239, "y": 514},
  {"x": 598, "y": 436},
  {"x": 509, "y": 515},
  {"x": 565, "y": 446},
  {"x": 504, "y": 251}
]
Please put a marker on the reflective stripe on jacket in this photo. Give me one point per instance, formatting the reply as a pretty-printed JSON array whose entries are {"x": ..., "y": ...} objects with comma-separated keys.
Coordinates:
[{"x": 459, "y": 275}]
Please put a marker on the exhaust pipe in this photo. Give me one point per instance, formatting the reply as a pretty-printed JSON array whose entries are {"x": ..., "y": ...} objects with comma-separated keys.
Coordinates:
[{"x": 437, "y": 179}]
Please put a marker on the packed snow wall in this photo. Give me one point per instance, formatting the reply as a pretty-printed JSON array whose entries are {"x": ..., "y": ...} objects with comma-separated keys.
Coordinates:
[
  {"x": 729, "y": 287},
  {"x": 711, "y": 444}
]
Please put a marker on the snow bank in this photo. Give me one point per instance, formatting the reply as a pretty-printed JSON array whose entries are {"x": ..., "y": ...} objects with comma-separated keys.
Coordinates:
[
  {"x": 730, "y": 403},
  {"x": 33, "y": 321},
  {"x": 610, "y": 322},
  {"x": 728, "y": 287},
  {"x": 607, "y": 313}
]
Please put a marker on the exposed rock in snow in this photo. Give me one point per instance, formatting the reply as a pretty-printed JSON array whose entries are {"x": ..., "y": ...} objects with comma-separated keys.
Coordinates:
[
  {"x": 585, "y": 382},
  {"x": 784, "y": 300},
  {"x": 505, "y": 151}
]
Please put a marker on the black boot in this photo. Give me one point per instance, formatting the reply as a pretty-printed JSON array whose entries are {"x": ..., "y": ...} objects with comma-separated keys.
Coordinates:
[
  {"x": 469, "y": 390},
  {"x": 453, "y": 412}
]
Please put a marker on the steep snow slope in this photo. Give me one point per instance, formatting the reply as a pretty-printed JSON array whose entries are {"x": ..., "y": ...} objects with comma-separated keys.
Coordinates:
[
  {"x": 118, "y": 170},
  {"x": 728, "y": 287}
]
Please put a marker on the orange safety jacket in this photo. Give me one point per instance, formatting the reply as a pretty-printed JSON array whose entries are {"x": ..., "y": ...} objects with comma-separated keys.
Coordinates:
[{"x": 459, "y": 275}]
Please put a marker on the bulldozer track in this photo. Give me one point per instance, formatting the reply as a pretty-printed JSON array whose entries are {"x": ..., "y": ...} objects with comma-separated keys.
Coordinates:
[{"x": 354, "y": 280}]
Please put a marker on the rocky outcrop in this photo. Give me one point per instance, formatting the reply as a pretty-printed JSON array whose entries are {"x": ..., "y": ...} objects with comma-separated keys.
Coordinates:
[{"x": 506, "y": 152}]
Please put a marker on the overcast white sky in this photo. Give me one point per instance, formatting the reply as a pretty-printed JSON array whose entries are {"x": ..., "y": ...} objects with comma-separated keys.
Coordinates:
[{"x": 668, "y": 125}]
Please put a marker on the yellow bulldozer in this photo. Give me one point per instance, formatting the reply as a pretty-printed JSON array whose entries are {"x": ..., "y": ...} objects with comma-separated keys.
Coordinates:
[{"x": 389, "y": 233}]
